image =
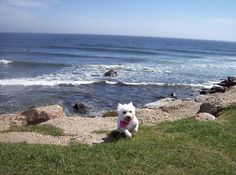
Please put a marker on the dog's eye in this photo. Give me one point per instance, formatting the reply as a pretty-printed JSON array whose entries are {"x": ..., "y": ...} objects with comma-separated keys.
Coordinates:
[
  {"x": 124, "y": 112},
  {"x": 130, "y": 111}
]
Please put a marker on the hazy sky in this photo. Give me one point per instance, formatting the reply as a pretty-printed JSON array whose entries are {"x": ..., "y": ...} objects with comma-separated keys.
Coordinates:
[{"x": 200, "y": 19}]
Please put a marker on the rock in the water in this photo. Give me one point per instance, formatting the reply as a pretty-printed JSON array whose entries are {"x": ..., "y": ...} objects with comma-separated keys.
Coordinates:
[
  {"x": 214, "y": 89},
  {"x": 159, "y": 103},
  {"x": 173, "y": 95},
  {"x": 80, "y": 108},
  {"x": 205, "y": 117},
  {"x": 231, "y": 81},
  {"x": 111, "y": 73},
  {"x": 37, "y": 115},
  {"x": 110, "y": 114}
]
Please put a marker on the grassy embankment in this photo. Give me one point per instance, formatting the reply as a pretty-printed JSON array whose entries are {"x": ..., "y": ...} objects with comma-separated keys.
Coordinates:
[{"x": 182, "y": 147}]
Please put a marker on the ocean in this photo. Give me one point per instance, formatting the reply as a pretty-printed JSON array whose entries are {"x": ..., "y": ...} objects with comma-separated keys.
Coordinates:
[{"x": 42, "y": 69}]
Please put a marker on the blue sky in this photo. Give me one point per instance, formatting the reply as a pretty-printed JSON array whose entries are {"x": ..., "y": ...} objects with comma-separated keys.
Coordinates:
[{"x": 200, "y": 19}]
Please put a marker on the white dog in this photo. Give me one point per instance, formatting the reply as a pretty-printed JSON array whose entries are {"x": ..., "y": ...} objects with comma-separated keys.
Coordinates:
[{"x": 127, "y": 121}]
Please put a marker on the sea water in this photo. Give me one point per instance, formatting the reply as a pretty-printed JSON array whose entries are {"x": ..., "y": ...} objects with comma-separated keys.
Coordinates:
[{"x": 42, "y": 69}]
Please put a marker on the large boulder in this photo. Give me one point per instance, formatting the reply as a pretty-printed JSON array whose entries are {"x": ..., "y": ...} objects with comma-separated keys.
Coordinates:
[
  {"x": 80, "y": 108},
  {"x": 211, "y": 108},
  {"x": 205, "y": 117},
  {"x": 111, "y": 73},
  {"x": 37, "y": 115}
]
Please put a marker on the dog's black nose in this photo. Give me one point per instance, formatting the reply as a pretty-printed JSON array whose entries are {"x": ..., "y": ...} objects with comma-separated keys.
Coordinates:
[{"x": 128, "y": 117}]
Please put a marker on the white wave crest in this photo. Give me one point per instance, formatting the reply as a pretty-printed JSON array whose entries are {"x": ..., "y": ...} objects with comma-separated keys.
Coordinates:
[
  {"x": 41, "y": 82},
  {"x": 2, "y": 61},
  {"x": 33, "y": 82}
]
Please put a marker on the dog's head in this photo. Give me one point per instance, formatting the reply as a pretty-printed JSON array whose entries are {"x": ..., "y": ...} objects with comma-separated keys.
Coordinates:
[{"x": 126, "y": 112}]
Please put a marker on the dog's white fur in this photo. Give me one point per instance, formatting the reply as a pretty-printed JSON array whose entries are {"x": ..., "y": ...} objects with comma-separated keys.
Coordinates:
[{"x": 126, "y": 112}]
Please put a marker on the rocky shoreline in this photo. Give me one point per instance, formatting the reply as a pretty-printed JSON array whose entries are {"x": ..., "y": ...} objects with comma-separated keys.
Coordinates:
[{"x": 85, "y": 130}]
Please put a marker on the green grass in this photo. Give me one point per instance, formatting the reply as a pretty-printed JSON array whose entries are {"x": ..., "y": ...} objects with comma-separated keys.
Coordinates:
[
  {"x": 42, "y": 129},
  {"x": 183, "y": 147}
]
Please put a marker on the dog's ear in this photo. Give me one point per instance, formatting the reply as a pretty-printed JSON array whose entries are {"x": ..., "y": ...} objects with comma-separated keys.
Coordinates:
[
  {"x": 119, "y": 106},
  {"x": 131, "y": 103}
]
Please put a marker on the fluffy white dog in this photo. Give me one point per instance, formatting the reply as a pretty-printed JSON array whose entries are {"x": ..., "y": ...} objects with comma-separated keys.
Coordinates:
[{"x": 127, "y": 121}]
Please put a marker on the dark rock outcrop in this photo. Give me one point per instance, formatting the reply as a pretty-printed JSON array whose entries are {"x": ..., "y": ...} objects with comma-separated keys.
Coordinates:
[
  {"x": 111, "y": 73},
  {"x": 230, "y": 81},
  {"x": 37, "y": 115},
  {"x": 214, "y": 89},
  {"x": 32, "y": 116}
]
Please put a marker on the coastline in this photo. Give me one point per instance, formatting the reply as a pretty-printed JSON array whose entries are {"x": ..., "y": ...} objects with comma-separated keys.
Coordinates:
[{"x": 86, "y": 130}]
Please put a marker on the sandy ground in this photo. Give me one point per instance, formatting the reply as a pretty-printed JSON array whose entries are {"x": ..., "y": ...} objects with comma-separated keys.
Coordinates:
[{"x": 83, "y": 130}]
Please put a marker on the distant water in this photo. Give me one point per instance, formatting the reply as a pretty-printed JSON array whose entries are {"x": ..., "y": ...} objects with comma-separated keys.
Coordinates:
[{"x": 40, "y": 69}]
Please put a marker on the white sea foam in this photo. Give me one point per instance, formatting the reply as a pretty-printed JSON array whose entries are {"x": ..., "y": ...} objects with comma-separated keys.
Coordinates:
[
  {"x": 2, "y": 61},
  {"x": 205, "y": 85},
  {"x": 131, "y": 74},
  {"x": 37, "y": 82},
  {"x": 34, "y": 82},
  {"x": 111, "y": 82}
]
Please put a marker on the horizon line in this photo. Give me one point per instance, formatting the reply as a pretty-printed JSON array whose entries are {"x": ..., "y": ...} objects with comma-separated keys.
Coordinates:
[{"x": 122, "y": 35}]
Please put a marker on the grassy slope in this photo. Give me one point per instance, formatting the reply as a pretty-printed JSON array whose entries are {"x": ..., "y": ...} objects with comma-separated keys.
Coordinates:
[
  {"x": 42, "y": 129},
  {"x": 182, "y": 147}
]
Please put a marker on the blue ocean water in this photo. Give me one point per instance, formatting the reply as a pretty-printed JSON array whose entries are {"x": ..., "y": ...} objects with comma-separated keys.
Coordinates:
[{"x": 40, "y": 69}]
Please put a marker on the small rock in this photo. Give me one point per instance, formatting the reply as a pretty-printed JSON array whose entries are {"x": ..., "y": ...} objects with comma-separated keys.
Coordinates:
[
  {"x": 205, "y": 117},
  {"x": 173, "y": 95},
  {"x": 111, "y": 73},
  {"x": 80, "y": 108}
]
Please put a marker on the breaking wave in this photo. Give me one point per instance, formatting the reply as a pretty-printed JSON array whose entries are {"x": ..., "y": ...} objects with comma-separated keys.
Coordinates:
[
  {"x": 2, "y": 61},
  {"x": 42, "y": 82}
]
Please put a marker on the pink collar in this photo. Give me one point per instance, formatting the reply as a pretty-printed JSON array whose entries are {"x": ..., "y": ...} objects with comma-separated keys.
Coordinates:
[{"x": 124, "y": 124}]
